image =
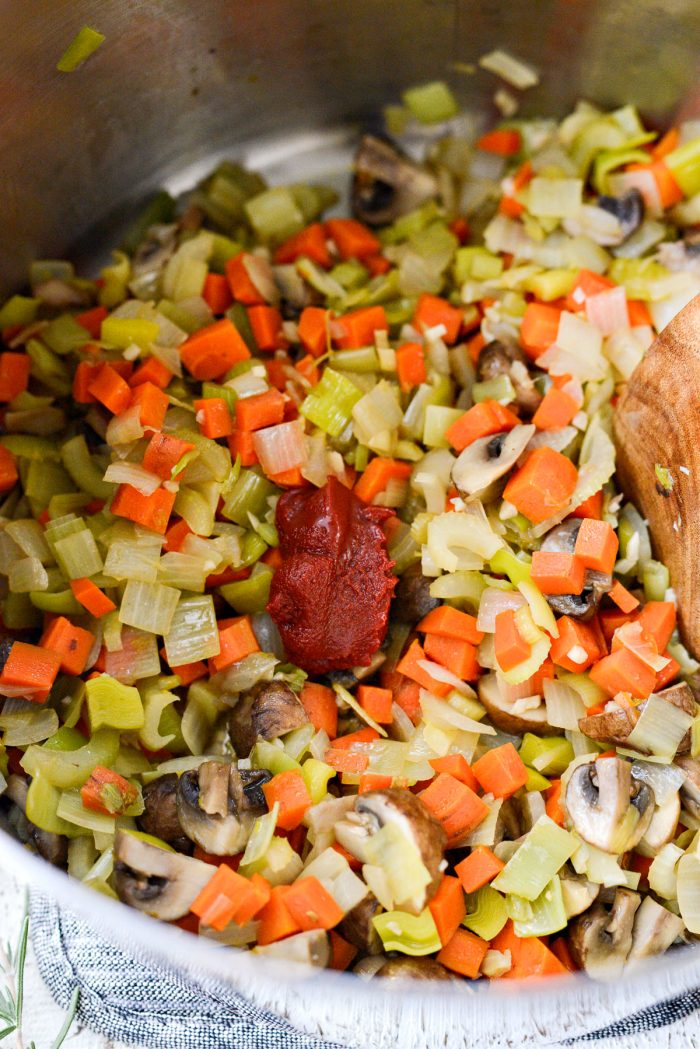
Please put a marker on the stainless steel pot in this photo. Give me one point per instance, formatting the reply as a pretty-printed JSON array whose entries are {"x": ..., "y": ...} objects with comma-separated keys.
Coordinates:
[{"x": 282, "y": 85}]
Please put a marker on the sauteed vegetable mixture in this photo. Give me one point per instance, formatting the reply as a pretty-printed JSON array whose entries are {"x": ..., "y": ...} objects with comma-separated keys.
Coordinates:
[{"x": 326, "y": 631}]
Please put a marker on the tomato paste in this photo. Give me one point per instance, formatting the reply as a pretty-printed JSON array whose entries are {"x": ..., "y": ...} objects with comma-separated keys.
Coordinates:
[{"x": 330, "y": 596}]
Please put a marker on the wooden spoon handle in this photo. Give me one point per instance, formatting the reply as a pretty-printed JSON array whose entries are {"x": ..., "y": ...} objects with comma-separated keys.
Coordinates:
[{"x": 657, "y": 420}]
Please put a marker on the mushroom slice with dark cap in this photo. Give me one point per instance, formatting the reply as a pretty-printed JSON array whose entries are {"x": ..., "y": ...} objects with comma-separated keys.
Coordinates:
[
  {"x": 357, "y": 926},
  {"x": 386, "y": 183},
  {"x": 628, "y": 209},
  {"x": 690, "y": 790},
  {"x": 662, "y": 827},
  {"x": 310, "y": 948},
  {"x": 614, "y": 726},
  {"x": 377, "y": 808},
  {"x": 601, "y": 938},
  {"x": 269, "y": 710},
  {"x": 217, "y": 805},
  {"x": 413, "y": 969},
  {"x": 501, "y": 357},
  {"x": 412, "y": 600},
  {"x": 52, "y": 847},
  {"x": 578, "y": 893},
  {"x": 505, "y": 718},
  {"x": 157, "y": 881},
  {"x": 489, "y": 458},
  {"x": 655, "y": 929},
  {"x": 561, "y": 540},
  {"x": 159, "y": 816},
  {"x": 607, "y": 806}
]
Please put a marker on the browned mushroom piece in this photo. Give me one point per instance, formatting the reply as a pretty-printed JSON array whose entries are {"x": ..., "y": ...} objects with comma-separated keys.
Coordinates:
[
  {"x": 217, "y": 805},
  {"x": 690, "y": 789},
  {"x": 412, "y": 598},
  {"x": 578, "y": 893},
  {"x": 562, "y": 539},
  {"x": 614, "y": 726},
  {"x": 308, "y": 948},
  {"x": 269, "y": 710},
  {"x": 607, "y": 806},
  {"x": 387, "y": 183},
  {"x": 662, "y": 828},
  {"x": 377, "y": 808},
  {"x": 504, "y": 717},
  {"x": 413, "y": 969},
  {"x": 159, "y": 816},
  {"x": 504, "y": 357},
  {"x": 601, "y": 938},
  {"x": 157, "y": 881},
  {"x": 52, "y": 847},
  {"x": 357, "y": 927}
]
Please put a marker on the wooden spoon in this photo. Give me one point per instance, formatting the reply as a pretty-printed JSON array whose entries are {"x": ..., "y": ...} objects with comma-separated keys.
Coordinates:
[{"x": 657, "y": 420}]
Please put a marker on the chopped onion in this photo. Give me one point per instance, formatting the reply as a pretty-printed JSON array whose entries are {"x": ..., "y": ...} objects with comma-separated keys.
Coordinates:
[
  {"x": 514, "y": 71},
  {"x": 446, "y": 676},
  {"x": 133, "y": 474},
  {"x": 663, "y": 874},
  {"x": 494, "y": 601},
  {"x": 688, "y": 888},
  {"x": 125, "y": 427},
  {"x": 282, "y": 447},
  {"x": 664, "y": 780},
  {"x": 261, "y": 275},
  {"x": 643, "y": 180},
  {"x": 556, "y": 439},
  {"x": 439, "y": 712},
  {"x": 25, "y": 722},
  {"x": 485, "y": 833},
  {"x": 608, "y": 310},
  {"x": 660, "y": 728},
  {"x": 564, "y": 705}
]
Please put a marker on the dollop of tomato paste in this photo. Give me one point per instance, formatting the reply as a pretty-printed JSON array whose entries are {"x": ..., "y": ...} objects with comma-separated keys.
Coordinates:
[{"x": 330, "y": 596}]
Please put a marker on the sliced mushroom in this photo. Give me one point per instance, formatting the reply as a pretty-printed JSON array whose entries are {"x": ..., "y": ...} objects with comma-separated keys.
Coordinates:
[
  {"x": 519, "y": 813},
  {"x": 269, "y": 710},
  {"x": 489, "y": 458},
  {"x": 159, "y": 816},
  {"x": 662, "y": 827},
  {"x": 502, "y": 715},
  {"x": 601, "y": 939},
  {"x": 357, "y": 927},
  {"x": 607, "y": 806},
  {"x": 217, "y": 805},
  {"x": 655, "y": 929},
  {"x": 577, "y": 892},
  {"x": 412, "y": 598},
  {"x": 613, "y": 726},
  {"x": 157, "y": 881},
  {"x": 407, "y": 812},
  {"x": 386, "y": 183},
  {"x": 52, "y": 847},
  {"x": 309, "y": 948},
  {"x": 628, "y": 209},
  {"x": 690, "y": 791},
  {"x": 501, "y": 357},
  {"x": 562, "y": 540},
  {"x": 413, "y": 969}
]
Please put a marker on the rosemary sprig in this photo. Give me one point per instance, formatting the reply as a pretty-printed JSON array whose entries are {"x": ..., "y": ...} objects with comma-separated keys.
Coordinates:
[{"x": 12, "y": 962}]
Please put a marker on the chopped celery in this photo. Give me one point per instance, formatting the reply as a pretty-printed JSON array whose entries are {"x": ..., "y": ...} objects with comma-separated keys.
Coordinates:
[
  {"x": 296, "y": 742},
  {"x": 550, "y": 755},
  {"x": 540, "y": 917},
  {"x": 316, "y": 776},
  {"x": 60, "y": 603},
  {"x": 274, "y": 214},
  {"x": 64, "y": 335},
  {"x": 18, "y": 311},
  {"x": 536, "y": 781},
  {"x": 476, "y": 264},
  {"x": 249, "y": 494},
  {"x": 148, "y": 606},
  {"x": 66, "y": 760},
  {"x": 112, "y": 704},
  {"x": 500, "y": 389},
  {"x": 85, "y": 42},
  {"x": 193, "y": 633},
  {"x": 656, "y": 580},
  {"x": 77, "y": 554},
  {"x": 684, "y": 164},
  {"x": 275, "y": 759},
  {"x": 329, "y": 405},
  {"x": 124, "y": 331},
  {"x": 71, "y": 809},
  {"x": 545, "y": 849},
  {"x": 430, "y": 103},
  {"x": 436, "y": 423},
  {"x": 408, "y": 933},
  {"x": 364, "y": 360},
  {"x": 42, "y": 805},
  {"x": 486, "y": 913},
  {"x": 48, "y": 368},
  {"x": 155, "y": 704},
  {"x": 76, "y": 458},
  {"x": 248, "y": 596}
]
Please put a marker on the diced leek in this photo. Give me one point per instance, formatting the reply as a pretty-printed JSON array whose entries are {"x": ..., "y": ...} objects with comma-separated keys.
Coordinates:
[
  {"x": 398, "y": 856},
  {"x": 135, "y": 556},
  {"x": 155, "y": 702},
  {"x": 248, "y": 596},
  {"x": 42, "y": 805},
  {"x": 193, "y": 632},
  {"x": 602, "y": 868},
  {"x": 407, "y": 933},
  {"x": 249, "y": 495},
  {"x": 274, "y": 214},
  {"x": 688, "y": 890},
  {"x": 280, "y": 865},
  {"x": 660, "y": 728},
  {"x": 540, "y": 917},
  {"x": 329, "y": 405},
  {"x": 663, "y": 872},
  {"x": 545, "y": 849},
  {"x": 555, "y": 197},
  {"x": 76, "y": 458},
  {"x": 431, "y": 103},
  {"x": 26, "y": 575},
  {"x": 550, "y": 755},
  {"x": 112, "y": 704},
  {"x": 487, "y": 913},
  {"x": 260, "y": 838},
  {"x": 275, "y": 759},
  {"x": 148, "y": 606},
  {"x": 78, "y": 555},
  {"x": 499, "y": 389},
  {"x": 23, "y": 722}
]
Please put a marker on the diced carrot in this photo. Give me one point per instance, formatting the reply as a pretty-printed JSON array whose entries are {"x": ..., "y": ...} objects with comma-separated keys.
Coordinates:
[
  {"x": 107, "y": 792},
  {"x": 260, "y": 410},
  {"x": 578, "y": 645},
  {"x": 530, "y": 956},
  {"x": 228, "y": 896},
  {"x": 342, "y": 952},
  {"x": 669, "y": 191},
  {"x": 510, "y": 648},
  {"x": 311, "y": 905},
  {"x": 373, "y": 781},
  {"x": 587, "y": 283},
  {"x": 313, "y": 330},
  {"x": 478, "y": 869},
  {"x": 464, "y": 954},
  {"x": 91, "y": 597},
  {"x": 152, "y": 403},
  {"x": 189, "y": 672},
  {"x": 475, "y": 346},
  {"x": 454, "y": 805},
  {"x": 163, "y": 453},
  {"x": 213, "y": 417},
  {"x": 288, "y": 789},
  {"x": 591, "y": 507},
  {"x": 276, "y": 923},
  {"x": 668, "y": 673},
  {"x": 560, "y": 949},
  {"x": 543, "y": 486},
  {"x": 509, "y": 204},
  {"x": 501, "y": 771},
  {"x": 666, "y": 144},
  {"x": 31, "y": 667},
  {"x": 612, "y": 618},
  {"x": 408, "y": 665},
  {"x": 309, "y": 242},
  {"x": 241, "y": 443},
  {"x": 309, "y": 369},
  {"x": 362, "y": 735},
  {"x": 503, "y": 141},
  {"x": 176, "y": 535},
  {"x": 596, "y": 545},
  {"x": 123, "y": 368},
  {"x": 658, "y": 618},
  {"x": 242, "y": 287},
  {"x": 446, "y": 621},
  {"x": 152, "y": 370},
  {"x": 556, "y": 409},
  {"x": 376, "y": 264},
  {"x": 352, "y": 239},
  {"x": 557, "y": 573},
  {"x": 456, "y": 765},
  {"x": 448, "y": 907},
  {"x": 321, "y": 708},
  {"x": 92, "y": 319},
  {"x": 539, "y": 328},
  {"x": 553, "y": 804},
  {"x": 377, "y": 476},
  {"x": 217, "y": 293},
  {"x": 72, "y": 643},
  {"x": 638, "y": 314},
  {"x": 623, "y": 671},
  {"x": 510, "y": 207},
  {"x": 624, "y": 600},
  {"x": 14, "y": 375},
  {"x": 358, "y": 328},
  {"x": 460, "y": 227},
  {"x": 455, "y": 654},
  {"x": 345, "y": 760},
  {"x": 82, "y": 377},
  {"x": 108, "y": 387},
  {"x": 266, "y": 325},
  {"x": 406, "y": 692},
  {"x": 8, "y": 470},
  {"x": 237, "y": 641},
  {"x": 432, "y": 311},
  {"x": 211, "y": 351},
  {"x": 377, "y": 702},
  {"x": 482, "y": 420},
  {"x": 151, "y": 511},
  {"x": 410, "y": 365}
]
